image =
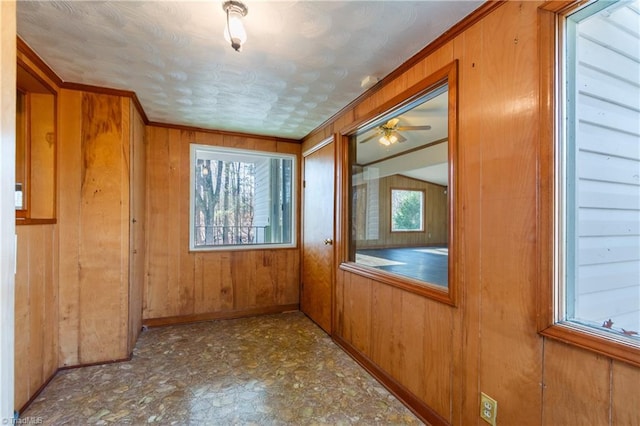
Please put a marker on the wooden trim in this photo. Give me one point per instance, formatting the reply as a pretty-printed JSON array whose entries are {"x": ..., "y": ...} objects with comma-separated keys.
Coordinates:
[
  {"x": 29, "y": 70},
  {"x": 223, "y": 132},
  {"x": 138, "y": 106},
  {"x": 318, "y": 146},
  {"x": 413, "y": 403},
  {"x": 91, "y": 364},
  {"x": 448, "y": 74},
  {"x": 471, "y": 19},
  {"x": 561, "y": 6},
  {"x": 585, "y": 338},
  {"x": 24, "y": 48},
  {"x": 37, "y": 393},
  {"x": 404, "y": 98},
  {"x": 547, "y": 168},
  {"x": 67, "y": 367},
  {"x": 29, "y": 221},
  {"x": 412, "y": 285},
  {"x": 186, "y": 319}
]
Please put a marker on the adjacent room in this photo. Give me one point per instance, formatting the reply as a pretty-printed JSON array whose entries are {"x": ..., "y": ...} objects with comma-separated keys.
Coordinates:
[{"x": 320, "y": 212}]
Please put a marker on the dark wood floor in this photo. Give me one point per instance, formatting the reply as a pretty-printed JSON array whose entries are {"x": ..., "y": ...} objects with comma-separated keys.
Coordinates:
[{"x": 428, "y": 264}]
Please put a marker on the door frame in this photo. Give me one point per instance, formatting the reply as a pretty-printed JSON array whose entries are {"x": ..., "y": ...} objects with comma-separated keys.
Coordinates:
[{"x": 331, "y": 139}]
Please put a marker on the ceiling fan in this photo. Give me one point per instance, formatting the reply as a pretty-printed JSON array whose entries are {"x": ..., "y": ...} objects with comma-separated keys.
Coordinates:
[{"x": 389, "y": 132}]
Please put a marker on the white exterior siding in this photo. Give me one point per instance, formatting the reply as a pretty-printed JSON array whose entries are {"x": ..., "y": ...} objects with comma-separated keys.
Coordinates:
[
  {"x": 607, "y": 169},
  {"x": 262, "y": 193}
]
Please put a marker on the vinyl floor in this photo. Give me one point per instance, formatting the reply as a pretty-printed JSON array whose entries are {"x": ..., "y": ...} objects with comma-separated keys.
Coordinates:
[{"x": 268, "y": 370}]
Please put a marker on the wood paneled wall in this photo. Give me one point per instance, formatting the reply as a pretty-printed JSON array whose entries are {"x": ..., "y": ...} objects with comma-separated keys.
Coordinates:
[
  {"x": 138, "y": 226},
  {"x": 36, "y": 310},
  {"x": 94, "y": 226},
  {"x": 185, "y": 286},
  {"x": 36, "y": 292},
  {"x": 7, "y": 197},
  {"x": 435, "y": 215},
  {"x": 445, "y": 356}
]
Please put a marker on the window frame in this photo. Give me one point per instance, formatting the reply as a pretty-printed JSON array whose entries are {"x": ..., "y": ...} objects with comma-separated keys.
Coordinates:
[
  {"x": 36, "y": 198},
  {"x": 551, "y": 39},
  {"x": 193, "y": 149},
  {"x": 448, "y": 75},
  {"x": 422, "y": 209}
]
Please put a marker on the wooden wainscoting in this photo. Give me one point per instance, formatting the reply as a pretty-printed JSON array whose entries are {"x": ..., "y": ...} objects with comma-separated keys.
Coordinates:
[
  {"x": 218, "y": 284},
  {"x": 36, "y": 310}
]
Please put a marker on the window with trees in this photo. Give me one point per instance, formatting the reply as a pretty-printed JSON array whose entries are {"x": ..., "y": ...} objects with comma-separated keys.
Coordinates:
[
  {"x": 241, "y": 199},
  {"x": 407, "y": 210}
]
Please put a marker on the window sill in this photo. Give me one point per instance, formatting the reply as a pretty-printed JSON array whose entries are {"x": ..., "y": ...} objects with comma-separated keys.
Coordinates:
[
  {"x": 420, "y": 288},
  {"x": 247, "y": 247},
  {"x": 27, "y": 221},
  {"x": 589, "y": 339}
]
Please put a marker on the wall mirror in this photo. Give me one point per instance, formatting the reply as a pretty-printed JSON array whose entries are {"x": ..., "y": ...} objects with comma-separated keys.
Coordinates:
[
  {"x": 401, "y": 193},
  {"x": 35, "y": 148}
]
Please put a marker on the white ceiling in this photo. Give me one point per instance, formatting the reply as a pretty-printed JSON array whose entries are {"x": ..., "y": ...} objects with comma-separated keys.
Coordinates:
[
  {"x": 423, "y": 154},
  {"x": 303, "y": 60}
]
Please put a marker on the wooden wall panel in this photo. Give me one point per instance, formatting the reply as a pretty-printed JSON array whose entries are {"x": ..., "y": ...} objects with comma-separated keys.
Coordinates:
[
  {"x": 104, "y": 207},
  {"x": 576, "y": 386},
  {"x": 69, "y": 186},
  {"x": 200, "y": 285},
  {"x": 94, "y": 225},
  {"x": 466, "y": 387},
  {"x": 137, "y": 224},
  {"x": 488, "y": 342},
  {"x": 625, "y": 398},
  {"x": 357, "y": 313},
  {"x": 36, "y": 311},
  {"x": 508, "y": 208}
]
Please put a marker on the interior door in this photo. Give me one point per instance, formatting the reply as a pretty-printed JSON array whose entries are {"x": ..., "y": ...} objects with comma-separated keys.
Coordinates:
[{"x": 317, "y": 228}]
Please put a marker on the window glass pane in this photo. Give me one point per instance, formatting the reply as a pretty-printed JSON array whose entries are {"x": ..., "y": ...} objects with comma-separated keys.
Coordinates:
[
  {"x": 407, "y": 210},
  {"x": 399, "y": 187},
  {"x": 602, "y": 169},
  {"x": 241, "y": 198}
]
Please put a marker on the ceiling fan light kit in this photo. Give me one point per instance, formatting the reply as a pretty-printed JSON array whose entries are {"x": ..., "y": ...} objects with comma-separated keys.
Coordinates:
[{"x": 234, "y": 31}]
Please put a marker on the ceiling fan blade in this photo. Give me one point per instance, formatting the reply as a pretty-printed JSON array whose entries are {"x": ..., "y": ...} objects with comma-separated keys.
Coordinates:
[
  {"x": 414, "y": 128},
  {"x": 391, "y": 123},
  {"x": 400, "y": 137},
  {"x": 368, "y": 139}
]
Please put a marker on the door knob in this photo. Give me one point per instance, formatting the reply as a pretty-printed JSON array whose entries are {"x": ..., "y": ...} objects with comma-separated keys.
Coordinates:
[{"x": 328, "y": 241}]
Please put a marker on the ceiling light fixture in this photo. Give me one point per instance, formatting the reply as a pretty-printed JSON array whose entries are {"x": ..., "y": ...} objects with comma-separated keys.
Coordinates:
[
  {"x": 388, "y": 138},
  {"x": 234, "y": 31}
]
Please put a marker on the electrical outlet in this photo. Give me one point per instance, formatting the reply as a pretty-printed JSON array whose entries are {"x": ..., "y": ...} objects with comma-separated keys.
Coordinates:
[{"x": 488, "y": 409}]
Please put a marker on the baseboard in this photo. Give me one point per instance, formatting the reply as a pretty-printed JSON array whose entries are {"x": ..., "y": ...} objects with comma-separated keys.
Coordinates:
[
  {"x": 417, "y": 406},
  {"x": 37, "y": 393},
  {"x": 66, "y": 367},
  {"x": 186, "y": 319}
]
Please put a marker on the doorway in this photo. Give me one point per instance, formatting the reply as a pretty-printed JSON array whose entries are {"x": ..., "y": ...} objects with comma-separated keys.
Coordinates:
[{"x": 316, "y": 290}]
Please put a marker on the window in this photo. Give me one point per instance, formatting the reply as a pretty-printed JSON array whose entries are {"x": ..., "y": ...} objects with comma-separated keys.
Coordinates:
[
  {"x": 407, "y": 210},
  {"x": 35, "y": 179},
  {"x": 596, "y": 302},
  {"x": 400, "y": 190},
  {"x": 241, "y": 199}
]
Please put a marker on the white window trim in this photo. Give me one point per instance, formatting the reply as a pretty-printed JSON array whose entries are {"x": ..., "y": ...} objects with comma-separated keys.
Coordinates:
[{"x": 193, "y": 149}]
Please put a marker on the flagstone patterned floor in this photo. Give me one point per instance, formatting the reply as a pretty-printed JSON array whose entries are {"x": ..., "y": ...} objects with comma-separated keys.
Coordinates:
[{"x": 268, "y": 370}]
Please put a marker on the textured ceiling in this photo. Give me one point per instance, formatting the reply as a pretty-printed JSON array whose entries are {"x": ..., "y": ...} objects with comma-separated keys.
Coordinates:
[{"x": 303, "y": 60}]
